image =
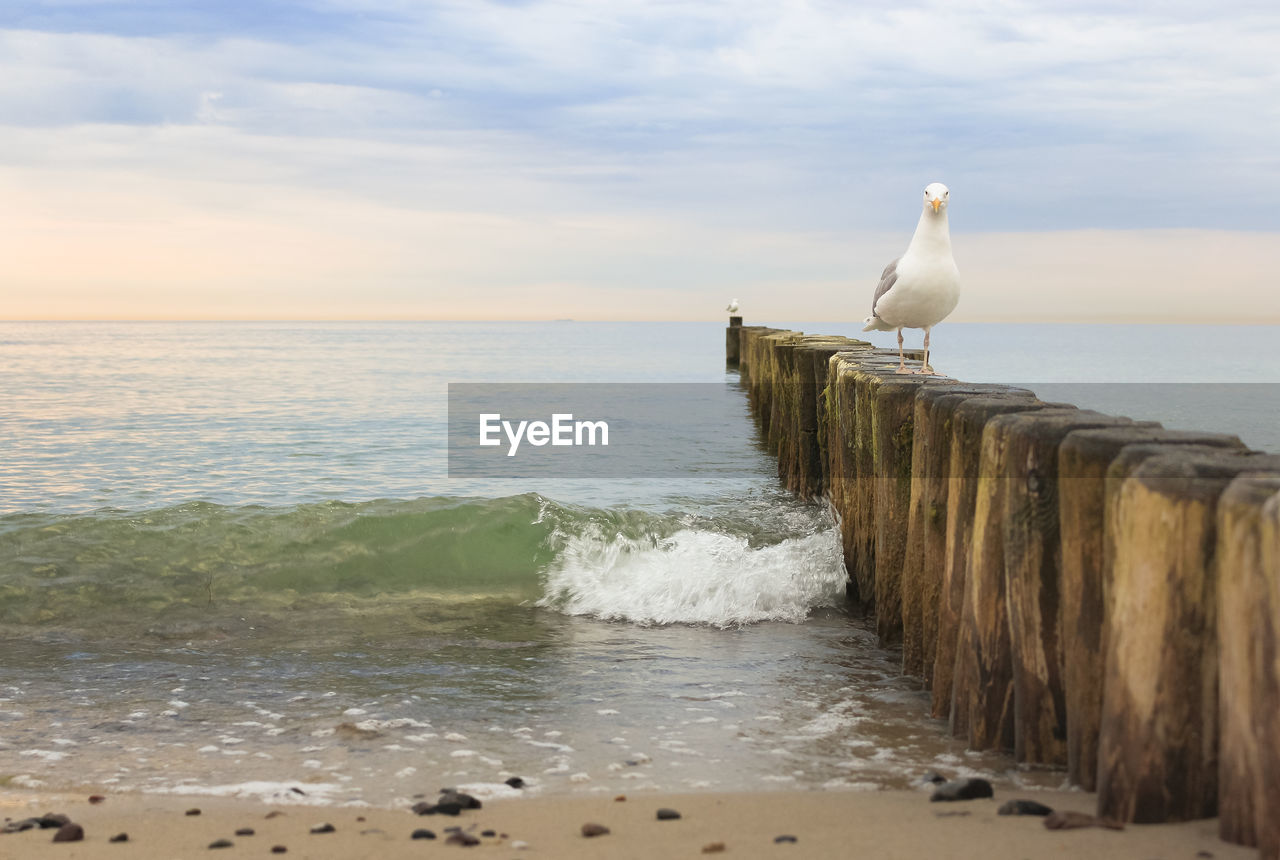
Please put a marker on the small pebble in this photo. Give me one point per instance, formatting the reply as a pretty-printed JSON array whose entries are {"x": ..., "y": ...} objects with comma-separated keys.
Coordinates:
[
  {"x": 786, "y": 838},
  {"x": 489, "y": 833},
  {"x": 621, "y": 798},
  {"x": 244, "y": 831},
  {"x": 515, "y": 782},
  {"x": 69, "y": 832},
  {"x": 192, "y": 812},
  {"x": 461, "y": 838},
  {"x": 275, "y": 813},
  {"x": 665, "y": 814},
  {"x": 1023, "y": 807},
  {"x": 119, "y": 837},
  {"x": 297, "y": 790},
  {"x": 359, "y": 818},
  {"x": 963, "y": 789},
  {"x": 591, "y": 829},
  {"x": 423, "y": 833},
  {"x": 1067, "y": 820},
  {"x": 279, "y": 849},
  {"x": 324, "y": 828},
  {"x": 96, "y": 798},
  {"x": 713, "y": 848},
  {"x": 221, "y": 843}
]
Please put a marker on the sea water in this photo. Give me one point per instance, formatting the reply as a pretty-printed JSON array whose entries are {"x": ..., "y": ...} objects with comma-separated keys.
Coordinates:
[{"x": 232, "y": 560}]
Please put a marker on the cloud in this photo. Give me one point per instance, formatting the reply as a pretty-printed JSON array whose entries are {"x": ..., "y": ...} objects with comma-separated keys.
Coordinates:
[{"x": 802, "y": 121}]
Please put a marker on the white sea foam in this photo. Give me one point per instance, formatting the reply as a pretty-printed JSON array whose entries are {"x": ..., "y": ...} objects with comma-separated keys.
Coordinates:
[
  {"x": 317, "y": 794},
  {"x": 696, "y": 577}
]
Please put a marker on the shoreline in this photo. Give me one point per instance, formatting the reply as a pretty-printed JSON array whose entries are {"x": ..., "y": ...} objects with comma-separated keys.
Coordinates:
[{"x": 892, "y": 824}]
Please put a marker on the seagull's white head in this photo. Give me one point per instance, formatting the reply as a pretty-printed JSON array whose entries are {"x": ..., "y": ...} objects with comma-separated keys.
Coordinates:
[{"x": 935, "y": 197}]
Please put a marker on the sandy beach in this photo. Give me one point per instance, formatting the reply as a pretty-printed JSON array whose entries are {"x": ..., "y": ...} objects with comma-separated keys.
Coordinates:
[{"x": 884, "y": 824}]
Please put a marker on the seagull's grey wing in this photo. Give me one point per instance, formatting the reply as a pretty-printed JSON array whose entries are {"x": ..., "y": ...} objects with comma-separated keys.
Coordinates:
[{"x": 888, "y": 278}]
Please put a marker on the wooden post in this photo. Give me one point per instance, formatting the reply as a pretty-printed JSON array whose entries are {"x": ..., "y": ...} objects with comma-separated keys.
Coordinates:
[
  {"x": 1158, "y": 737},
  {"x": 1032, "y": 571},
  {"x": 1249, "y": 659},
  {"x": 1083, "y": 460},
  {"x": 893, "y": 422},
  {"x": 927, "y": 518},
  {"x": 732, "y": 341},
  {"x": 972, "y": 624}
]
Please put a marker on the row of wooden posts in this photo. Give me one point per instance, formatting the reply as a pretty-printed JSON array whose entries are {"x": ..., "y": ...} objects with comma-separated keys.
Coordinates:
[{"x": 1080, "y": 589}]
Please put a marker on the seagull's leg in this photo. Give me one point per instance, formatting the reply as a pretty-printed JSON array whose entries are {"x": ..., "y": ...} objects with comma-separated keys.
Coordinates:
[
  {"x": 902, "y": 359},
  {"x": 926, "y": 368}
]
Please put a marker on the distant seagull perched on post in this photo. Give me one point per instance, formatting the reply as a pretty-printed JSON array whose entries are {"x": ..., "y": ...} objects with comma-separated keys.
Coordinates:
[
  {"x": 733, "y": 307},
  {"x": 920, "y": 288}
]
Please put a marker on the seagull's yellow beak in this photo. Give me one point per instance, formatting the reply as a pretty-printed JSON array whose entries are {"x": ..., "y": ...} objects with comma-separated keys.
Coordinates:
[{"x": 937, "y": 203}]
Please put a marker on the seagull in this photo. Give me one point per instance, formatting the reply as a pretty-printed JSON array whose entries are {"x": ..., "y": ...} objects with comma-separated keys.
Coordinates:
[
  {"x": 920, "y": 288},
  {"x": 733, "y": 307}
]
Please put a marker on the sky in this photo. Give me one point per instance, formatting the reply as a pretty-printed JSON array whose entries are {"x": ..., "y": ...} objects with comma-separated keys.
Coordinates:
[{"x": 544, "y": 159}]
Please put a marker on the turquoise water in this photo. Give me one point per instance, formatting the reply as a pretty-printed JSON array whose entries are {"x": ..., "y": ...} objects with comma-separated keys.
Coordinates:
[{"x": 232, "y": 559}]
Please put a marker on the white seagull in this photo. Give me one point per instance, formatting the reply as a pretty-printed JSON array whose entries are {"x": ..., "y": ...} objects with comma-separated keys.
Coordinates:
[
  {"x": 920, "y": 288},
  {"x": 733, "y": 307}
]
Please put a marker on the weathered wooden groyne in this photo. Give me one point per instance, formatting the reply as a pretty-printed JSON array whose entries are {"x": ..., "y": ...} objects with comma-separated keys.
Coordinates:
[{"x": 1080, "y": 589}]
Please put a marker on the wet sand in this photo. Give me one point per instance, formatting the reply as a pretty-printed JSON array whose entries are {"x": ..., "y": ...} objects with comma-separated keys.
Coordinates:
[{"x": 882, "y": 825}]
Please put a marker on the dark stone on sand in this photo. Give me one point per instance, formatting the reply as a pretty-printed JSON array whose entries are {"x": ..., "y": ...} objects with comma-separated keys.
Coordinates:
[
  {"x": 50, "y": 820},
  {"x": 297, "y": 790},
  {"x": 424, "y": 808},
  {"x": 591, "y": 829},
  {"x": 192, "y": 812},
  {"x": 448, "y": 808},
  {"x": 69, "y": 832},
  {"x": 665, "y": 814},
  {"x": 489, "y": 833},
  {"x": 324, "y": 828},
  {"x": 221, "y": 843},
  {"x": 96, "y": 798},
  {"x": 244, "y": 831},
  {"x": 713, "y": 848},
  {"x": 1067, "y": 820},
  {"x": 20, "y": 826},
  {"x": 119, "y": 837},
  {"x": 464, "y": 800},
  {"x": 279, "y": 849},
  {"x": 515, "y": 782},
  {"x": 423, "y": 833},
  {"x": 785, "y": 839},
  {"x": 461, "y": 838},
  {"x": 963, "y": 789},
  {"x": 1024, "y": 807}
]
